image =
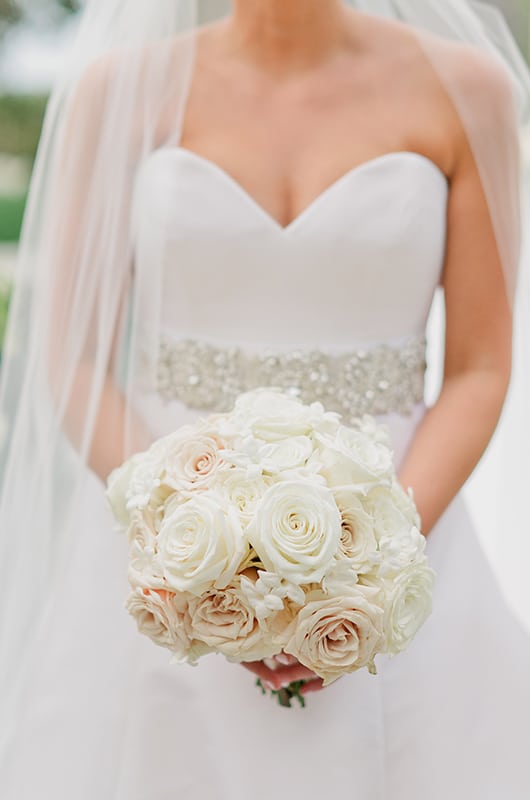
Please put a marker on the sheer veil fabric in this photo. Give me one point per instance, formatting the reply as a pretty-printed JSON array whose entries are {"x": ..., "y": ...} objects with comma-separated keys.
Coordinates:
[{"x": 73, "y": 368}]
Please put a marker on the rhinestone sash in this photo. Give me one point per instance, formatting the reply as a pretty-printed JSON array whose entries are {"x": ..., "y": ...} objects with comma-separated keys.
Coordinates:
[{"x": 375, "y": 381}]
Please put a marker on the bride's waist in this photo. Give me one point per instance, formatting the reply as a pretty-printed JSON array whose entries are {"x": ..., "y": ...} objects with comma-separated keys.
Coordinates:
[{"x": 379, "y": 379}]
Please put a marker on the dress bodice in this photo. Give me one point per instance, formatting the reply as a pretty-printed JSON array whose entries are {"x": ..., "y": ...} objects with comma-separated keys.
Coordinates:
[
  {"x": 356, "y": 269},
  {"x": 359, "y": 265}
]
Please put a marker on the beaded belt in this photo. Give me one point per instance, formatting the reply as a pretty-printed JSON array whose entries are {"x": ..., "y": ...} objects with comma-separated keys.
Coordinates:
[{"x": 376, "y": 381}]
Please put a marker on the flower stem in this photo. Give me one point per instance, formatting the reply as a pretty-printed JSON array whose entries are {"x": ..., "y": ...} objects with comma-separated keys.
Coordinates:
[{"x": 287, "y": 694}]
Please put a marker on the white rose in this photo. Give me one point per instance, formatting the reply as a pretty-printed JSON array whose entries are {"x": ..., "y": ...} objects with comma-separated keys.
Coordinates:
[
  {"x": 293, "y": 459},
  {"x": 296, "y": 531},
  {"x": 408, "y": 605},
  {"x": 272, "y": 415},
  {"x": 358, "y": 542},
  {"x": 336, "y": 635},
  {"x": 356, "y": 457},
  {"x": 241, "y": 491},
  {"x": 201, "y": 544},
  {"x": 288, "y": 453},
  {"x": 226, "y": 623},
  {"x": 388, "y": 516},
  {"x": 161, "y": 616},
  {"x": 118, "y": 488}
]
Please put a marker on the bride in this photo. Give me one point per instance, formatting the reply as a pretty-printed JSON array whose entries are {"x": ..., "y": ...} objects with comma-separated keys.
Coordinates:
[{"x": 291, "y": 180}]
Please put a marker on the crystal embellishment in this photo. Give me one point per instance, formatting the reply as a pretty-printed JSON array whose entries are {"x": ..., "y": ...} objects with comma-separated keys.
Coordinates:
[{"x": 378, "y": 380}]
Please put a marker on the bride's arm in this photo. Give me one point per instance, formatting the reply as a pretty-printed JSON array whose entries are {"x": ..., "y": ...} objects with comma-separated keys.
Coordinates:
[
  {"x": 90, "y": 271},
  {"x": 454, "y": 433},
  {"x": 108, "y": 445}
]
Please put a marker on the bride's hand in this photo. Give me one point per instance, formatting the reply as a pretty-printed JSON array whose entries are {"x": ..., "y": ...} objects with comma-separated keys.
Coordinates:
[{"x": 281, "y": 670}]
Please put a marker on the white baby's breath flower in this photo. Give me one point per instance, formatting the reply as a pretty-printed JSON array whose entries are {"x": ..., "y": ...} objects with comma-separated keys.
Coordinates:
[
  {"x": 341, "y": 575},
  {"x": 296, "y": 531},
  {"x": 399, "y": 540},
  {"x": 292, "y": 458},
  {"x": 266, "y": 592},
  {"x": 145, "y": 567},
  {"x": 201, "y": 544}
]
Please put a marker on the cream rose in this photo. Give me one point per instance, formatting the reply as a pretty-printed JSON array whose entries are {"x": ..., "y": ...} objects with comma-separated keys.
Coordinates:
[
  {"x": 296, "y": 531},
  {"x": 201, "y": 544},
  {"x": 192, "y": 460},
  {"x": 358, "y": 542},
  {"x": 224, "y": 620},
  {"x": 161, "y": 616},
  {"x": 407, "y": 606},
  {"x": 336, "y": 635}
]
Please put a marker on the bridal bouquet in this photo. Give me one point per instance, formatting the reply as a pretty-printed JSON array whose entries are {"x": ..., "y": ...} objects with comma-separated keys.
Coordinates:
[{"x": 273, "y": 529}]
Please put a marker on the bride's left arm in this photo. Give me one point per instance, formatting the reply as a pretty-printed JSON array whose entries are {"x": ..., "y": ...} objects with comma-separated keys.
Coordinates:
[{"x": 456, "y": 430}]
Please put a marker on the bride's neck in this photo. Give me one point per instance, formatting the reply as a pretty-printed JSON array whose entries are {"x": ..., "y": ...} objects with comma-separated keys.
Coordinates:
[{"x": 287, "y": 33}]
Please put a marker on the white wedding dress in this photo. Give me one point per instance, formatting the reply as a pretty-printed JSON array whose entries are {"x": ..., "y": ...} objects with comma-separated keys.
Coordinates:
[{"x": 108, "y": 717}]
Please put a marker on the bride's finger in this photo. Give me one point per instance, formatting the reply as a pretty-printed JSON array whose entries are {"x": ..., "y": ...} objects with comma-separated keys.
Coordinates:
[
  {"x": 263, "y": 672},
  {"x": 312, "y": 686},
  {"x": 283, "y": 676},
  {"x": 280, "y": 677},
  {"x": 286, "y": 660}
]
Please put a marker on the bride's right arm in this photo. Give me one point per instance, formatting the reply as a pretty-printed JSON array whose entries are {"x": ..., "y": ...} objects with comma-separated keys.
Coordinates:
[{"x": 89, "y": 272}]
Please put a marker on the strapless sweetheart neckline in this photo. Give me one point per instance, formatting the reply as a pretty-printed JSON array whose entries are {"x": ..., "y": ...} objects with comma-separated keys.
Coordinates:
[{"x": 364, "y": 168}]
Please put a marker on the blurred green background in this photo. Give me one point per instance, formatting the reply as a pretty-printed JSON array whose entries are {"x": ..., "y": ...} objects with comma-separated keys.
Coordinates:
[{"x": 33, "y": 37}]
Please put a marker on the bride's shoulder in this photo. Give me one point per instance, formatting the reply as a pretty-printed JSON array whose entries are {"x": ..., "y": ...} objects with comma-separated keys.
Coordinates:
[
  {"x": 139, "y": 78},
  {"x": 462, "y": 66},
  {"x": 134, "y": 62}
]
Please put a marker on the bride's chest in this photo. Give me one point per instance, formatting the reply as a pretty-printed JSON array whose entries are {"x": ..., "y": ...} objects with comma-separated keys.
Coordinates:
[{"x": 359, "y": 264}]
